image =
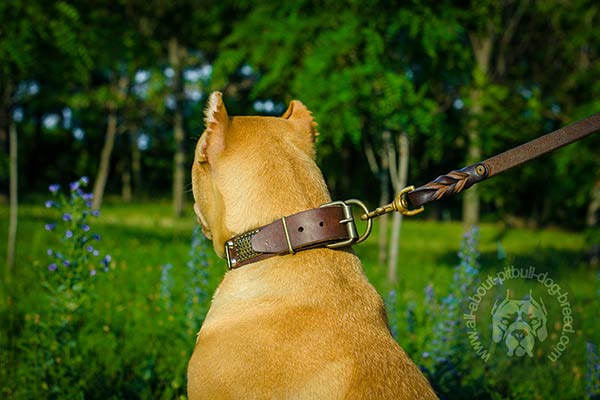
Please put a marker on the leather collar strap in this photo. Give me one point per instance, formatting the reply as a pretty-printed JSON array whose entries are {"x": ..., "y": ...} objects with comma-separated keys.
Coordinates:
[{"x": 331, "y": 225}]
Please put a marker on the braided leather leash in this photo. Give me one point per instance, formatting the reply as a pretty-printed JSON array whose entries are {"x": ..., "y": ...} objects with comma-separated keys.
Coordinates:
[{"x": 410, "y": 201}]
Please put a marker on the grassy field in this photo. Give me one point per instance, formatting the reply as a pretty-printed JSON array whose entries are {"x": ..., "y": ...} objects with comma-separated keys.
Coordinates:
[{"x": 139, "y": 330}]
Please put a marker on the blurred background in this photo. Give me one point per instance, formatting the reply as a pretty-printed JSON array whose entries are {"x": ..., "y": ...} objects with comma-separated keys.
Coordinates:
[{"x": 114, "y": 91}]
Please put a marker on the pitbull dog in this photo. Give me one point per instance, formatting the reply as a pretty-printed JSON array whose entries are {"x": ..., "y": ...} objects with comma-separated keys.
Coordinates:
[
  {"x": 519, "y": 323},
  {"x": 298, "y": 326}
]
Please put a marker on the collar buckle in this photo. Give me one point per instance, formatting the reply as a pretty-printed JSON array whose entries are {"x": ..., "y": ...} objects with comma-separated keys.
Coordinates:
[{"x": 353, "y": 237}]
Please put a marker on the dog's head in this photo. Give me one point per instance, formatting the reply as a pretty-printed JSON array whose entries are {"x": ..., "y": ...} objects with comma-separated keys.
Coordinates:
[
  {"x": 519, "y": 323},
  {"x": 249, "y": 171}
]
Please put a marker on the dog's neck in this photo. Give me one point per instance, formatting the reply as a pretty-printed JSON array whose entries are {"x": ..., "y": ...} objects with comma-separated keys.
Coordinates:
[{"x": 260, "y": 196}]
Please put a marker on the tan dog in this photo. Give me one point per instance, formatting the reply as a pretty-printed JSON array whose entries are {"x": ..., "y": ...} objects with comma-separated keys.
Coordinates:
[{"x": 301, "y": 326}]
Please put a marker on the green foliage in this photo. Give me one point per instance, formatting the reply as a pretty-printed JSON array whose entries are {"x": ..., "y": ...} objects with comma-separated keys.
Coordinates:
[
  {"x": 363, "y": 69},
  {"x": 53, "y": 354},
  {"x": 347, "y": 63},
  {"x": 37, "y": 30},
  {"x": 126, "y": 333}
]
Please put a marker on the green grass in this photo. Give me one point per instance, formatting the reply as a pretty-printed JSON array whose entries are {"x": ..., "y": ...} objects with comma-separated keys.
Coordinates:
[{"x": 143, "y": 345}]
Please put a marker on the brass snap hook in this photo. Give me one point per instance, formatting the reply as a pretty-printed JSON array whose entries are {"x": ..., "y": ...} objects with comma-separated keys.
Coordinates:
[{"x": 399, "y": 204}]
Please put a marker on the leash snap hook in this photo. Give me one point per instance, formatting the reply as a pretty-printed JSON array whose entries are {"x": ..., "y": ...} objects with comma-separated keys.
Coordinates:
[{"x": 399, "y": 204}]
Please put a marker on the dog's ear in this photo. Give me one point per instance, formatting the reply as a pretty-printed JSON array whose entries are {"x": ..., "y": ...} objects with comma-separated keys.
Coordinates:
[
  {"x": 305, "y": 125},
  {"x": 216, "y": 120}
]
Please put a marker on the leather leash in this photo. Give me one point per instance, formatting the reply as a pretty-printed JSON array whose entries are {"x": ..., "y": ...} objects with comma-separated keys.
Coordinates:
[
  {"x": 332, "y": 225},
  {"x": 410, "y": 201}
]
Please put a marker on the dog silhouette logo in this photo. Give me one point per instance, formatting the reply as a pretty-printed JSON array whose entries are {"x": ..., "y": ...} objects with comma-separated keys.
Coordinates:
[{"x": 519, "y": 323}]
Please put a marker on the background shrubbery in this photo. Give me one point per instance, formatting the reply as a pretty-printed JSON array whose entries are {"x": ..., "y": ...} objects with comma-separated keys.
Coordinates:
[{"x": 108, "y": 306}]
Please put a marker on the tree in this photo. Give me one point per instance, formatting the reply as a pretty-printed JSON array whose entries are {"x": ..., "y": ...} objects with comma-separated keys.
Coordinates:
[
  {"x": 521, "y": 88},
  {"x": 350, "y": 63},
  {"x": 33, "y": 31}
]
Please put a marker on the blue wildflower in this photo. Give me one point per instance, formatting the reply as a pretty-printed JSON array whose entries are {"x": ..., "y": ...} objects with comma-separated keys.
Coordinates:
[
  {"x": 89, "y": 248},
  {"x": 49, "y": 203},
  {"x": 93, "y": 272},
  {"x": 84, "y": 180},
  {"x": 49, "y": 227},
  {"x": 66, "y": 263},
  {"x": 592, "y": 378},
  {"x": 50, "y": 252},
  {"x": 54, "y": 187},
  {"x": 85, "y": 227},
  {"x": 95, "y": 236},
  {"x": 106, "y": 260},
  {"x": 52, "y": 267},
  {"x": 69, "y": 234},
  {"x": 96, "y": 253},
  {"x": 95, "y": 213},
  {"x": 74, "y": 186},
  {"x": 67, "y": 217}
]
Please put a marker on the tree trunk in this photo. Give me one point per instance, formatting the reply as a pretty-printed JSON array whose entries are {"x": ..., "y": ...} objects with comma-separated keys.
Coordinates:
[
  {"x": 482, "y": 50},
  {"x": 104, "y": 167},
  {"x": 109, "y": 144},
  {"x": 470, "y": 203},
  {"x": 126, "y": 190},
  {"x": 12, "y": 225},
  {"x": 383, "y": 220},
  {"x": 591, "y": 219},
  {"x": 175, "y": 59},
  {"x": 381, "y": 171},
  {"x": 398, "y": 173}
]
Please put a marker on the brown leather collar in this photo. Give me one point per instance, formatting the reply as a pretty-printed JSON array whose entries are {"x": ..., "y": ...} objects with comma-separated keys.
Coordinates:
[{"x": 331, "y": 225}]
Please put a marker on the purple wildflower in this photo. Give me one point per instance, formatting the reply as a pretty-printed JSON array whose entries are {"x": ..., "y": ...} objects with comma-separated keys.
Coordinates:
[
  {"x": 87, "y": 196},
  {"x": 74, "y": 186},
  {"x": 429, "y": 293},
  {"x": 49, "y": 203},
  {"x": 49, "y": 227},
  {"x": 96, "y": 253},
  {"x": 69, "y": 234},
  {"x": 52, "y": 267},
  {"x": 50, "y": 252},
  {"x": 67, "y": 217},
  {"x": 95, "y": 213},
  {"x": 89, "y": 248},
  {"x": 93, "y": 272},
  {"x": 85, "y": 227},
  {"x": 54, "y": 187},
  {"x": 95, "y": 236},
  {"x": 106, "y": 260},
  {"x": 67, "y": 263},
  {"x": 84, "y": 180}
]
